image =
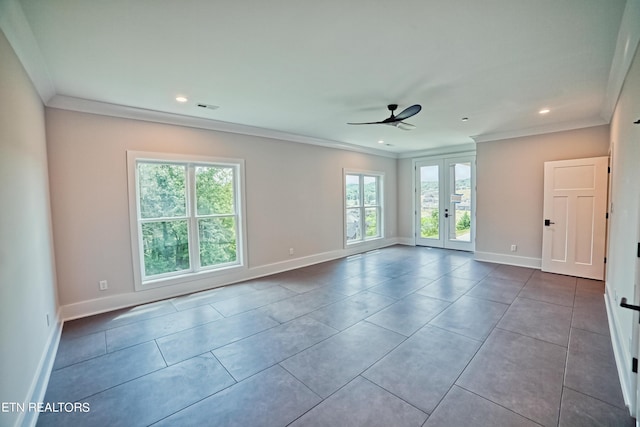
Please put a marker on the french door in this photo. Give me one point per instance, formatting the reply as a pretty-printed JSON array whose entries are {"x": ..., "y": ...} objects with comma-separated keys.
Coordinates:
[{"x": 445, "y": 202}]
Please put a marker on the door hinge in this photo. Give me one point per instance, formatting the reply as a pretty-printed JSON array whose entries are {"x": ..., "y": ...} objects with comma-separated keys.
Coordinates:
[
  {"x": 605, "y": 260},
  {"x": 634, "y": 365},
  {"x": 638, "y": 250},
  {"x": 606, "y": 216}
]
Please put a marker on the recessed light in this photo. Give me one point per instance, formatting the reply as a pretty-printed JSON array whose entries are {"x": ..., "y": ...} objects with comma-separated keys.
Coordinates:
[
  {"x": 381, "y": 142},
  {"x": 544, "y": 111},
  {"x": 181, "y": 99}
]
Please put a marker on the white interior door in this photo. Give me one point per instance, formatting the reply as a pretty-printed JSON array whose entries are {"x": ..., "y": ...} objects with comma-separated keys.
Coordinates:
[
  {"x": 445, "y": 193},
  {"x": 575, "y": 205}
]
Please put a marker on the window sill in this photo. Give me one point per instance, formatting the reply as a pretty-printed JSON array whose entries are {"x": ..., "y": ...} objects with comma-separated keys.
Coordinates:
[
  {"x": 188, "y": 277},
  {"x": 362, "y": 242}
]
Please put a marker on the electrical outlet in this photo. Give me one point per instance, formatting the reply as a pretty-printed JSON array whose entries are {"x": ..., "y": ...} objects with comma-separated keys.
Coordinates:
[
  {"x": 290, "y": 251},
  {"x": 514, "y": 248},
  {"x": 104, "y": 285}
]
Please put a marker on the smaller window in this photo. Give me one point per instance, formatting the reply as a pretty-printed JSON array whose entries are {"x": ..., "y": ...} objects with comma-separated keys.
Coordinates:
[{"x": 363, "y": 207}]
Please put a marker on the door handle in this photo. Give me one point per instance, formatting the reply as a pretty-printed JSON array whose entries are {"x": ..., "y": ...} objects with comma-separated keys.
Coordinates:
[
  {"x": 623, "y": 303},
  {"x": 547, "y": 222}
]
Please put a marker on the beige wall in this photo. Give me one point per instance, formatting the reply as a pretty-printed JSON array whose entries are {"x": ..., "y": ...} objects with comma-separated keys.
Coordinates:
[
  {"x": 405, "y": 200},
  {"x": 27, "y": 277},
  {"x": 622, "y": 271},
  {"x": 293, "y": 198},
  {"x": 510, "y": 189}
]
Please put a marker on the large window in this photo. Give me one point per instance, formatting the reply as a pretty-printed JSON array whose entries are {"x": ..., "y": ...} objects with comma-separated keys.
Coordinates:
[
  {"x": 186, "y": 216},
  {"x": 363, "y": 206}
]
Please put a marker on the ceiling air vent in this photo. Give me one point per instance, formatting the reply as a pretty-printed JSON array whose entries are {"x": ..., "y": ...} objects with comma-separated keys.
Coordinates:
[{"x": 208, "y": 106}]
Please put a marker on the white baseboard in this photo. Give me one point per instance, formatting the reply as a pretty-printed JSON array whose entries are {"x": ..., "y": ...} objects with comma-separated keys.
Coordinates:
[
  {"x": 519, "y": 261},
  {"x": 407, "y": 241},
  {"x": 622, "y": 357},
  {"x": 114, "y": 302},
  {"x": 38, "y": 386}
]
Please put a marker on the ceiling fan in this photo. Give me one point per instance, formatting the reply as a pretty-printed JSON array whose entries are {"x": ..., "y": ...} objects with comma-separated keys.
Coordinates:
[{"x": 397, "y": 121}]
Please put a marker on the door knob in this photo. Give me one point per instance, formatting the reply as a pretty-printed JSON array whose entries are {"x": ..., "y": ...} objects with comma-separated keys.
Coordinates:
[
  {"x": 623, "y": 303},
  {"x": 547, "y": 222}
]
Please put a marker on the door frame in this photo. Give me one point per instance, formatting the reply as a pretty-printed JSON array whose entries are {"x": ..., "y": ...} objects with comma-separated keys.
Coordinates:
[{"x": 444, "y": 159}]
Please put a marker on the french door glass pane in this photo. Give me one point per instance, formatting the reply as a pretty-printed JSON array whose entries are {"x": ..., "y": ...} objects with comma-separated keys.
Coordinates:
[
  {"x": 462, "y": 201},
  {"x": 214, "y": 190},
  {"x": 370, "y": 190},
  {"x": 429, "y": 202},
  {"x": 166, "y": 246},
  {"x": 217, "y": 241},
  {"x": 353, "y": 225},
  {"x": 371, "y": 222},
  {"x": 162, "y": 190},
  {"x": 353, "y": 190}
]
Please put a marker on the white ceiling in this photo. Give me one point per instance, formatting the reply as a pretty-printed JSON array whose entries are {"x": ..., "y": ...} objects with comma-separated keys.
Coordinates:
[{"x": 308, "y": 67}]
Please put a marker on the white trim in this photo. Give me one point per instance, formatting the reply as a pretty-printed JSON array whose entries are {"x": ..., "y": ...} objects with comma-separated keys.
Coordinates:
[
  {"x": 541, "y": 130},
  {"x": 621, "y": 357},
  {"x": 40, "y": 381},
  {"x": 110, "y": 303},
  {"x": 123, "y": 111},
  {"x": 626, "y": 46},
  {"x": 519, "y": 261},
  {"x": 441, "y": 151},
  {"x": 16, "y": 28},
  {"x": 407, "y": 241}
]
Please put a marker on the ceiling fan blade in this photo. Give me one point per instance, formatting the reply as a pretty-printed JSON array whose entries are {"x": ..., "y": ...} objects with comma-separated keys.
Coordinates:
[
  {"x": 408, "y": 112},
  {"x": 366, "y": 123},
  {"x": 405, "y": 126},
  {"x": 401, "y": 125}
]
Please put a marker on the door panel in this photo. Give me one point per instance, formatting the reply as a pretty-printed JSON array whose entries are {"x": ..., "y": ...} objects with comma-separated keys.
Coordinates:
[
  {"x": 459, "y": 197},
  {"x": 559, "y": 244},
  {"x": 584, "y": 235},
  {"x": 575, "y": 198},
  {"x": 428, "y": 189}
]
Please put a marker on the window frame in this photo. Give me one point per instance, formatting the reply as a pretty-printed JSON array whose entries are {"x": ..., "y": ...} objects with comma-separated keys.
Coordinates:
[
  {"x": 195, "y": 270},
  {"x": 363, "y": 206}
]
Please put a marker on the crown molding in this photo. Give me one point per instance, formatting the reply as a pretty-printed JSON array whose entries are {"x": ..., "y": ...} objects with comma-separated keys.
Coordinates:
[
  {"x": 540, "y": 130},
  {"x": 448, "y": 149},
  {"x": 123, "y": 111},
  {"x": 18, "y": 32},
  {"x": 626, "y": 46}
]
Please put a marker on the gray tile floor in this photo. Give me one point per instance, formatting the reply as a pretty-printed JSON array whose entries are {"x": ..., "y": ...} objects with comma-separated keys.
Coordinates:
[{"x": 397, "y": 337}]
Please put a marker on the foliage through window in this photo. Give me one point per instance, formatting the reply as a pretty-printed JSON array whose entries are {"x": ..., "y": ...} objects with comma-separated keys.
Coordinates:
[
  {"x": 363, "y": 204},
  {"x": 188, "y": 218}
]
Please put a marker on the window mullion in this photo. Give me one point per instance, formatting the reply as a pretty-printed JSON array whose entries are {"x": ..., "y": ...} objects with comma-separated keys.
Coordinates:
[
  {"x": 363, "y": 231},
  {"x": 194, "y": 238}
]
